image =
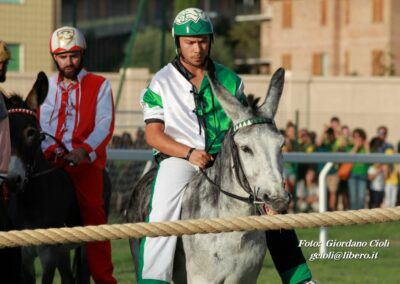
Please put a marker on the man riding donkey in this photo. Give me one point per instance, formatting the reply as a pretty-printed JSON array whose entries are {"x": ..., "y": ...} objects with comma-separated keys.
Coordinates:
[
  {"x": 185, "y": 124},
  {"x": 79, "y": 112},
  {"x": 10, "y": 258}
]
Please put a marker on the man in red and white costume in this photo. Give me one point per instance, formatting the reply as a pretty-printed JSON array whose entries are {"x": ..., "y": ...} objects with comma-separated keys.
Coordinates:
[{"x": 79, "y": 112}]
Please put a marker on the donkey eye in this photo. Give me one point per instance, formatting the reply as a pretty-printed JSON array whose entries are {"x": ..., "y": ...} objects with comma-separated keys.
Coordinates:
[{"x": 246, "y": 149}]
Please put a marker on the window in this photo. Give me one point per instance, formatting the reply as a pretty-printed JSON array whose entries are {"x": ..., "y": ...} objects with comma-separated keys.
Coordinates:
[
  {"x": 11, "y": 1},
  {"x": 320, "y": 64},
  {"x": 287, "y": 61},
  {"x": 324, "y": 12},
  {"x": 287, "y": 14},
  {"x": 347, "y": 12},
  {"x": 377, "y": 66},
  {"x": 377, "y": 11},
  {"x": 15, "y": 62},
  {"x": 316, "y": 64}
]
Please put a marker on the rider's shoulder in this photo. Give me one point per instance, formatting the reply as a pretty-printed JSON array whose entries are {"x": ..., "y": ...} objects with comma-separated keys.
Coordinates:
[
  {"x": 166, "y": 72},
  {"x": 226, "y": 75},
  {"x": 164, "y": 76}
]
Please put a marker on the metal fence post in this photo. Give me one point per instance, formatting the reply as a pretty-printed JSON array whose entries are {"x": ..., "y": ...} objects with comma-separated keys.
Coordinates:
[{"x": 323, "y": 232}]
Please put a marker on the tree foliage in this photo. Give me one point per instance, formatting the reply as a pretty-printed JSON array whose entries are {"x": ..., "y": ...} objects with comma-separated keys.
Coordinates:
[
  {"x": 179, "y": 5},
  {"x": 147, "y": 49},
  {"x": 245, "y": 38},
  {"x": 222, "y": 53}
]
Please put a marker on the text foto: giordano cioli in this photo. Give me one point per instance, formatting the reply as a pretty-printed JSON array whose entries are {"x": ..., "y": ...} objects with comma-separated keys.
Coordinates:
[{"x": 346, "y": 244}]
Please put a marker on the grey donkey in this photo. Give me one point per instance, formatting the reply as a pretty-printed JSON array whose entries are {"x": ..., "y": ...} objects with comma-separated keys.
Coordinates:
[{"x": 246, "y": 174}]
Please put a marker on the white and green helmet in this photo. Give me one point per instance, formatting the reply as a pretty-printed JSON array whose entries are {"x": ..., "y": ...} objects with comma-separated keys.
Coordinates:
[{"x": 192, "y": 22}]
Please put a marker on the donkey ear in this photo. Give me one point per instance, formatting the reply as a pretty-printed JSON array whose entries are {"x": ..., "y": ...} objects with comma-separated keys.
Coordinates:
[
  {"x": 39, "y": 91},
  {"x": 270, "y": 105},
  {"x": 233, "y": 108}
]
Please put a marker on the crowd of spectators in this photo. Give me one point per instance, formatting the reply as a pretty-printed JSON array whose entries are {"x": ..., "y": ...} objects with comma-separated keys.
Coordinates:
[
  {"x": 349, "y": 186},
  {"x": 365, "y": 185},
  {"x": 125, "y": 140}
]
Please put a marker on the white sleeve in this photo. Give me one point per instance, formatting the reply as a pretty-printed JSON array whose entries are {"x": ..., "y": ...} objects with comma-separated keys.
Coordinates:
[{"x": 104, "y": 119}]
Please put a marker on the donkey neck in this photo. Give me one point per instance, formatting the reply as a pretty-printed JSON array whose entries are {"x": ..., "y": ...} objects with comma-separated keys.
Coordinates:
[{"x": 224, "y": 176}]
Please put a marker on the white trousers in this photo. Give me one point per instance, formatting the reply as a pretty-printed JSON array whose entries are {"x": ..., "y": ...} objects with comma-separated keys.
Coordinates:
[
  {"x": 157, "y": 254},
  {"x": 390, "y": 195}
]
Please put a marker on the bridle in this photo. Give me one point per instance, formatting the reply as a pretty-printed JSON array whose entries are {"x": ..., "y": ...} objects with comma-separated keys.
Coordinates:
[
  {"x": 31, "y": 166},
  {"x": 239, "y": 172}
]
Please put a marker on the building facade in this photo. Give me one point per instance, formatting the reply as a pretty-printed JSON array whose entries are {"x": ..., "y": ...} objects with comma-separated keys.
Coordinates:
[
  {"x": 333, "y": 37},
  {"x": 26, "y": 26}
]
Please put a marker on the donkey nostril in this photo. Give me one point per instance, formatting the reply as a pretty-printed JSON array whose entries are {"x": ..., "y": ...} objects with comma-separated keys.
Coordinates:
[
  {"x": 30, "y": 133},
  {"x": 266, "y": 197}
]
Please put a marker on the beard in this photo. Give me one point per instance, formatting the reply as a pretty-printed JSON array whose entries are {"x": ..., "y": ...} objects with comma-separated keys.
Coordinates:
[
  {"x": 194, "y": 63},
  {"x": 2, "y": 76},
  {"x": 70, "y": 72}
]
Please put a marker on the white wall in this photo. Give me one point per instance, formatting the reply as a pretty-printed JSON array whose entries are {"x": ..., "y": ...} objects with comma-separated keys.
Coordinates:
[{"x": 365, "y": 102}]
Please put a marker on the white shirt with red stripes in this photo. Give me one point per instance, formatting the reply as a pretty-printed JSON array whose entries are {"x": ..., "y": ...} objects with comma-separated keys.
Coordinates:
[{"x": 61, "y": 114}]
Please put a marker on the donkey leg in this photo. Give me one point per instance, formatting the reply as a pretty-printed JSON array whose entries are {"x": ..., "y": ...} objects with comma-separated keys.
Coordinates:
[
  {"x": 134, "y": 245},
  {"x": 28, "y": 255},
  {"x": 179, "y": 272},
  {"x": 80, "y": 266},
  {"x": 48, "y": 260},
  {"x": 64, "y": 265}
]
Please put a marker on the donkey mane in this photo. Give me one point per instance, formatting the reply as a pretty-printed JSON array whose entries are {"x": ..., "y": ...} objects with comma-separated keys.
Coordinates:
[
  {"x": 15, "y": 101},
  {"x": 252, "y": 103}
]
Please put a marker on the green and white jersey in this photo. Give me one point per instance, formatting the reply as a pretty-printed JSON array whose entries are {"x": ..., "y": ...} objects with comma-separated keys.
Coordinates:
[{"x": 192, "y": 117}]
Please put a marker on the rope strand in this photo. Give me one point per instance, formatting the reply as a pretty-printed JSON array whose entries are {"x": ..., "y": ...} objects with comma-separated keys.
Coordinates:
[{"x": 200, "y": 226}]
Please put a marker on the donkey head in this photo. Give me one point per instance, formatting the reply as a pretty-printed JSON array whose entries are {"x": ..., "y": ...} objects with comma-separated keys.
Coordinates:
[
  {"x": 24, "y": 131},
  {"x": 258, "y": 143}
]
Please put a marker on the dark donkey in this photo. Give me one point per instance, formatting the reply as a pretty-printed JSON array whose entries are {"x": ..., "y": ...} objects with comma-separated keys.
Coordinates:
[{"x": 44, "y": 195}]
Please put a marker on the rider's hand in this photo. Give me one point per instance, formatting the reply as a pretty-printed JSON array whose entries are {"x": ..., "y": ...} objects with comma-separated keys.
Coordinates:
[
  {"x": 77, "y": 156},
  {"x": 200, "y": 158}
]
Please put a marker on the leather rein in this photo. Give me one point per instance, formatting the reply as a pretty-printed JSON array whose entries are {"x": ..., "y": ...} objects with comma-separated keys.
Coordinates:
[{"x": 239, "y": 172}]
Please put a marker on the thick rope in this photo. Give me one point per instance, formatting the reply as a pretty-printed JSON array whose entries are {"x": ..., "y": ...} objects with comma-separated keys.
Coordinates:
[{"x": 200, "y": 226}]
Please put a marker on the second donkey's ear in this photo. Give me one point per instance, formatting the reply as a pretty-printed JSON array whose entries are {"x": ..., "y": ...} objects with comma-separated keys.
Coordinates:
[{"x": 39, "y": 91}]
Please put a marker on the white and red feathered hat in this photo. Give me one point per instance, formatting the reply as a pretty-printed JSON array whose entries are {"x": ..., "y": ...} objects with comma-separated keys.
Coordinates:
[{"x": 67, "y": 39}]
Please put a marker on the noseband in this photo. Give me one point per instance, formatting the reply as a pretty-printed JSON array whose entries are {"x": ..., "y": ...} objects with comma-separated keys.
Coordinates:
[{"x": 239, "y": 172}]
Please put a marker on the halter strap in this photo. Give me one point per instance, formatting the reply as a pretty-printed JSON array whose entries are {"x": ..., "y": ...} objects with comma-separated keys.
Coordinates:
[
  {"x": 252, "y": 121},
  {"x": 59, "y": 143},
  {"x": 239, "y": 172},
  {"x": 22, "y": 110}
]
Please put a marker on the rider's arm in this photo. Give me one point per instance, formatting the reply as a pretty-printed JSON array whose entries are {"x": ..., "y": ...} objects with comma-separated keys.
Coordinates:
[
  {"x": 104, "y": 122},
  {"x": 158, "y": 139}
]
